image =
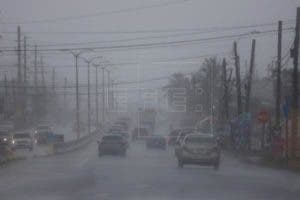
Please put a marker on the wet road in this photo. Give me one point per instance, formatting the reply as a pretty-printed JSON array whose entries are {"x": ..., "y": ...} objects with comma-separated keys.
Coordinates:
[{"x": 143, "y": 174}]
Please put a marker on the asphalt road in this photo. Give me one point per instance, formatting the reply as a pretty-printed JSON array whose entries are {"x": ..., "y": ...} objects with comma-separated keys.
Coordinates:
[{"x": 141, "y": 175}]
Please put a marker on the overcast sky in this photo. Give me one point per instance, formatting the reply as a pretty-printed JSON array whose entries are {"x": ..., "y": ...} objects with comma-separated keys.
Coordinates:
[{"x": 32, "y": 15}]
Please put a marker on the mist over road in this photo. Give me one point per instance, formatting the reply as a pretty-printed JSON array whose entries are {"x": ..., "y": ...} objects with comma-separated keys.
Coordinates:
[{"x": 142, "y": 174}]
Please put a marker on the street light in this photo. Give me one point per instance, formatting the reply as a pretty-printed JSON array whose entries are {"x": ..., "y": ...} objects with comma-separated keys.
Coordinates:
[
  {"x": 103, "y": 91},
  {"x": 109, "y": 88},
  {"x": 76, "y": 55},
  {"x": 89, "y": 61},
  {"x": 97, "y": 99}
]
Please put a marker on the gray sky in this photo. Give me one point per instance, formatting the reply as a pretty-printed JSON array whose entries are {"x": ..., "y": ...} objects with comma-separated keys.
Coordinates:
[{"x": 191, "y": 14}]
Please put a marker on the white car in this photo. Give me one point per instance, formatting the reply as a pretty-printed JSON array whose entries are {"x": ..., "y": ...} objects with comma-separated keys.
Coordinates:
[
  {"x": 23, "y": 140},
  {"x": 201, "y": 149}
]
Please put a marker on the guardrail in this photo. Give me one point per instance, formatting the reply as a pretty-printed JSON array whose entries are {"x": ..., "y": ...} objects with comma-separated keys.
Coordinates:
[{"x": 64, "y": 147}]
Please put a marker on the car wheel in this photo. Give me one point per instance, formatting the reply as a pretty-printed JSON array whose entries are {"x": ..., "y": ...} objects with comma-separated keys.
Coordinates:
[{"x": 180, "y": 163}]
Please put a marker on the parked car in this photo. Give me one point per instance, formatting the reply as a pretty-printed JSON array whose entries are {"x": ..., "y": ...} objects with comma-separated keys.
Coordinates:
[
  {"x": 112, "y": 144},
  {"x": 23, "y": 140},
  {"x": 156, "y": 142},
  {"x": 201, "y": 149},
  {"x": 7, "y": 143}
]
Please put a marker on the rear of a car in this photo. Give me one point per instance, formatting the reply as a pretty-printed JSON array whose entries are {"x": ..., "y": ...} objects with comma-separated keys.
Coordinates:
[
  {"x": 199, "y": 149},
  {"x": 23, "y": 141},
  {"x": 112, "y": 144},
  {"x": 156, "y": 142}
]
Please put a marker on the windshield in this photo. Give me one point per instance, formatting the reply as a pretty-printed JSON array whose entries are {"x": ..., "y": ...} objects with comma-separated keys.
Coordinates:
[
  {"x": 42, "y": 128},
  {"x": 23, "y": 135},
  {"x": 112, "y": 139}
]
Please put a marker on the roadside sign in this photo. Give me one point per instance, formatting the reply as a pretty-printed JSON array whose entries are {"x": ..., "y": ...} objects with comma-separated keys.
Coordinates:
[{"x": 263, "y": 117}]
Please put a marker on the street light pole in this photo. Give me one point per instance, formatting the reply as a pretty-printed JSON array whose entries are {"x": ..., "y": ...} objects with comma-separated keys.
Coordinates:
[
  {"x": 103, "y": 96},
  {"x": 89, "y": 100},
  {"x": 97, "y": 99},
  {"x": 76, "y": 55},
  {"x": 108, "y": 89},
  {"x": 88, "y": 61},
  {"x": 77, "y": 97}
]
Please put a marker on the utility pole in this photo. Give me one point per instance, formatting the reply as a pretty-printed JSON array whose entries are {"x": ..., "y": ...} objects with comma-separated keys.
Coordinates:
[
  {"x": 225, "y": 82},
  {"x": 53, "y": 81},
  {"x": 19, "y": 56},
  {"x": 103, "y": 96},
  {"x": 89, "y": 100},
  {"x": 249, "y": 85},
  {"x": 35, "y": 69},
  {"x": 211, "y": 80},
  {"x": 65, "y": 109},
  {"x": 5, "y": 86},
  {"x": 65, "y": 92},
  {"x": 96, "y": 95},
  {"x": 25, "y": 79},
  {"x": 43, "y": 75},
  {"x": 295, "y": 54},
  {"x": 77, "y": 97},
  {"x": 278, "y": 84},
  {"x": 6, "y": 99},
  {"x": 36, "y": 102},
  {"x": 19, "y": 81},
  {"x": 108, "y": 89},
  {"x": 89, "y": 61},
  {"x": 76, "y": 55},
  {"x": 238, "y": 79},
  {"x": 44, "y": 93},
  {"x": 25, "y": 62},
  {"x": 112, "y": 95},
  {"x": 14, "y": 95}
]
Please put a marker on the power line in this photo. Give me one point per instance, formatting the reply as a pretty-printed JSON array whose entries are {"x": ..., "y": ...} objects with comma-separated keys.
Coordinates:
[
  {"x": 160, "y": 61},
  {"x": 126, "y": 40},
  {"x": 78, "y": 17},
  {"x": 200, "y": 30},
  {"x": 154, "y": 44},
  {"x": 85, "y": 85}
]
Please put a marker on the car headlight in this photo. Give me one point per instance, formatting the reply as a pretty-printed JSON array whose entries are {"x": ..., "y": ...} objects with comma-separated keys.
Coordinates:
[
  {"x": 35, "y": 141},
  {"x": 5, "y": 139},
  {"x": 35, "y": 131},
  {"x": 13, "y": 142}
]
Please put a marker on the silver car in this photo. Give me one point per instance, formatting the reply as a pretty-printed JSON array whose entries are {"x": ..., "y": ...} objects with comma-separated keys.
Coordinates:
[{"x": 200, "y": 149}]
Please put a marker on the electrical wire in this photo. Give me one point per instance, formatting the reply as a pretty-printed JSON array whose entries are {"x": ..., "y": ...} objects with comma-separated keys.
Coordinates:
[
  {"x": 104, "y": 13},
  {"x": 155, "y": 31},
  {"x": 150, "y": 45}
]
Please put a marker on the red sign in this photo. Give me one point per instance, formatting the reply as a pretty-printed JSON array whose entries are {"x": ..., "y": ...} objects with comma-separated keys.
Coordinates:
[{"x": 263, "y": 117}]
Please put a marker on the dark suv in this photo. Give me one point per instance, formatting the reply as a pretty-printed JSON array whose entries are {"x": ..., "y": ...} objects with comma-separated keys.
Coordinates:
[{"x": 112, "y": 144}]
